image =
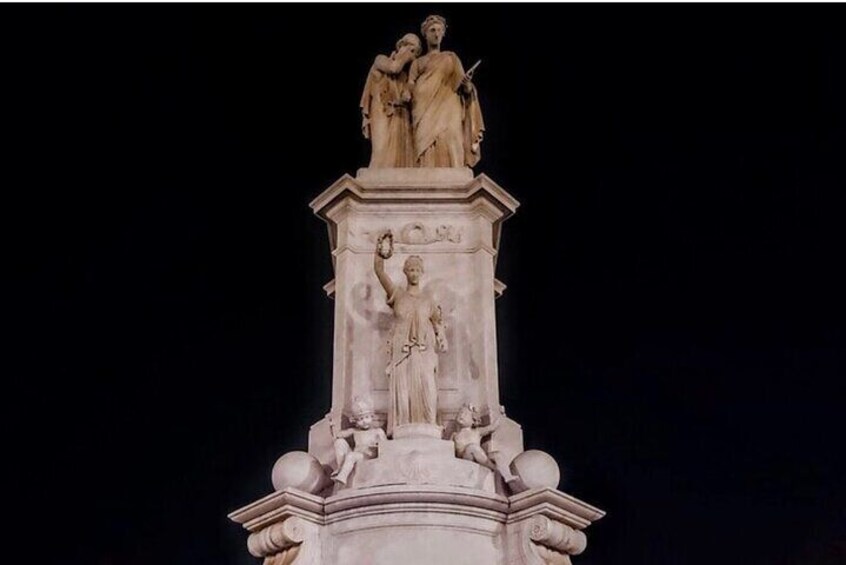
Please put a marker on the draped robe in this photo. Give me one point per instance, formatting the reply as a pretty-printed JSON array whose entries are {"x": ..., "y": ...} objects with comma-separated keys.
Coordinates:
[
  {"x": 388, "y": 120},
  {"x": 446, "y": 121},
  {"x": 412, "y": 360}
]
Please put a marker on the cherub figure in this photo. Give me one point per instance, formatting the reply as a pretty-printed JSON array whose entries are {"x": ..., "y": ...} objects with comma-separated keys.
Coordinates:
[
  {"x": 365, "y": 437},
  {"x": 468, "y": 441}
]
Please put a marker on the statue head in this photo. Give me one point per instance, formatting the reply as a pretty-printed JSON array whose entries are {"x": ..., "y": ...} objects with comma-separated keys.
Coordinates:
[
  {"x": 362, "y": 413},
  {"x": 468, "y": 416},
  {"x": 412, "y": 41},
  {"x": 433, "y": 29},
  {"x": 413, "y": 269}
]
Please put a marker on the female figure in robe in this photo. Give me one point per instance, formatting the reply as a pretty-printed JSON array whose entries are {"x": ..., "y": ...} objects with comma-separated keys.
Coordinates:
[
  {"x": 386, "y": 119},
  {"x": 412, "y": 358},
  {"x": 446, "y": 117}
]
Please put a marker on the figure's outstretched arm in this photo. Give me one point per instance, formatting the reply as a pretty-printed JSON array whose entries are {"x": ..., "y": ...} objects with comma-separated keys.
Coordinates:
[
  {"x": 393, "y": 65},
  {"x": 344, "y": 434},
  {"x": 384, "y": 279},
  {"x": 485, "y": 430},
  {"x": 338, "y": 433}
]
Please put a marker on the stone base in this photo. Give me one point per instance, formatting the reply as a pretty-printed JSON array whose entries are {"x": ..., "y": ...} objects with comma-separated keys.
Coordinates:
[
  {"x": 414, "y": 469},
  {"x": 417, "y": 525},
  {"x": 419, "y": 461},
  {"x": 430, "y": 447},
  {"x": 428, "y": 177},
  {"x": 418, "y": 430}
]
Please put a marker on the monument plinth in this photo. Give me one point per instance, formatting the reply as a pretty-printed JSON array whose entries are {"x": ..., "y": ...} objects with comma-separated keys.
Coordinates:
[{"x": 416, "y": 461}]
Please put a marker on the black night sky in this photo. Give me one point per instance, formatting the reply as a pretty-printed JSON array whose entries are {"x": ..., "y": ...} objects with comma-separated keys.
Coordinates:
[{"x": 673, "y": 332}]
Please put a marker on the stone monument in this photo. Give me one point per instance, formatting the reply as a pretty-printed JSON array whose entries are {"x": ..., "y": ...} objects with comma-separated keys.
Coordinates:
[{"x": 416, "y": 462}]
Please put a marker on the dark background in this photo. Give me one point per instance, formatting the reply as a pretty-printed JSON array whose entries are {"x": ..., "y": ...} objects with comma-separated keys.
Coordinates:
[{"x": 673, "y": 329}]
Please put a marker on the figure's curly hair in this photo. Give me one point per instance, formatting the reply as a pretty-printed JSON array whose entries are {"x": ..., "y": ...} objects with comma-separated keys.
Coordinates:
[
  {"x": 433, "y": 19},
  {"x": 361, "y": 406},
  {"x": 473, "y": 411},
  {"x": 411, "y": 39},
  {"x": 412, "y": 260}
]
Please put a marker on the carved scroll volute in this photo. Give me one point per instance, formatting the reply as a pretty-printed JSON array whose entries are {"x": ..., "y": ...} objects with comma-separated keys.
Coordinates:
[
  {"x": 292, "y": 542},
  {"x": 557, "y": 536},
  {"x": 543, "y": 541}
]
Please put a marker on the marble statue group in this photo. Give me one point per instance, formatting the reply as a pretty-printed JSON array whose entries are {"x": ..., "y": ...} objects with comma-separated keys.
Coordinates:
[
  {"x": 422, "y": 110},
  {"x": 416, "y": 461}
]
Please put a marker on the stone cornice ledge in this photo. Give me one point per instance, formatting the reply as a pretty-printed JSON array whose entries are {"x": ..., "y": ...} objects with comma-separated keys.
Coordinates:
[
  {"x": 548, "y": 502},
  {"x": 463, "y": 191},
  {"x": 553, "y": 504},
  {"x": 279, "y": 506}
]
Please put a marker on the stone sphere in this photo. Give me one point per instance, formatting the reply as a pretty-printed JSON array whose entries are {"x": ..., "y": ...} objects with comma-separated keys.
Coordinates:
[
  {"x": 536, "y": 469},
  {"x": 299, "y": 470}
]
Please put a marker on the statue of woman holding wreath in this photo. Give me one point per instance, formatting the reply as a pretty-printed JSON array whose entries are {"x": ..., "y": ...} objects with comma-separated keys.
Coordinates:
[{"x": 418, "y": 334}]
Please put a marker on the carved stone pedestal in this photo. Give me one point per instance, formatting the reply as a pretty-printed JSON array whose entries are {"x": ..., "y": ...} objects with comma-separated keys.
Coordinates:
[
  {"x": 418, "y": 498},
  {"x": 417, "y": 525},
  {"x": 451, "y": 220}
]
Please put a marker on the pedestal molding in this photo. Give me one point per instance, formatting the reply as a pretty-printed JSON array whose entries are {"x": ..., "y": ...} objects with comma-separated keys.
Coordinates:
[
  {"x": 380, "y": 496},
  {"x": 538, "y": 527},
  {"x": 415, "y": 193},
  {"x": 429, "y": 509},
  {"x": 557, "y": 499},
  {"x": 279, "y": 506}
]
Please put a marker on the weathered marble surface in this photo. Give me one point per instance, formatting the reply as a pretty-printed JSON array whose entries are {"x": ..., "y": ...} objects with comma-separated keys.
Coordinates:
[
  {"x": 453, "y": 224},
  {"x": 435, "y": 492},
  {"x": 417, "y": 525}
]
